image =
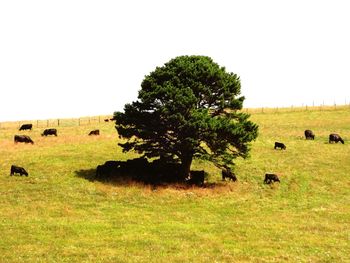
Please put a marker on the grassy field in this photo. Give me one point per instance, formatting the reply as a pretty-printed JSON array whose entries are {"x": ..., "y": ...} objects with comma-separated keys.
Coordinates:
[{"x": 60, "y": 214}]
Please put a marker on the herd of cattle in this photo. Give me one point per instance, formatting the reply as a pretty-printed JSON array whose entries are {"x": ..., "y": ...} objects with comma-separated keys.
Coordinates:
[
  {"x": 155, "y": 172},
  {"x": 26, "y": 139},
  {"x": 140, "y": 169},
  {"x": 309, "y": 135},
  {"x": 46, "y": 132}
]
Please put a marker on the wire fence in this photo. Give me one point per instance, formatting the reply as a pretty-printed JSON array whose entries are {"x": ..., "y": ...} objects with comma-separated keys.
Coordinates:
[
  {"x": 292, "y": 108},
  {"x": 51, "y": 123},
  {"x": 86, "y": 121}
]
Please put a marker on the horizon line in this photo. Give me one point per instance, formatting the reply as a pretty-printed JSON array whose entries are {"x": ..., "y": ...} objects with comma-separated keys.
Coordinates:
[{"x": 247, "y": 109}]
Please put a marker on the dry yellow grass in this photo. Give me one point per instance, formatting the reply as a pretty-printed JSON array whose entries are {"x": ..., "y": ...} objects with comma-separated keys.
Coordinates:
[{"x": 60, "y": 214}]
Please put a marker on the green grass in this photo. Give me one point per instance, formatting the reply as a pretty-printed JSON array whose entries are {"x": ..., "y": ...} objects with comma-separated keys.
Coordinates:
[{"x": 59, "y": 214}]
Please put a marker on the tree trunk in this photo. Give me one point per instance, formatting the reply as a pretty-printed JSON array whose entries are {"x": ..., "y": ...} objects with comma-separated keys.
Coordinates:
[{"x": 186, "y": 161}]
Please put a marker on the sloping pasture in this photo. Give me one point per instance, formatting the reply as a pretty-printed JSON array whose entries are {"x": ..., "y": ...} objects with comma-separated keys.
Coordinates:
[{"x": 59, "y": 213}]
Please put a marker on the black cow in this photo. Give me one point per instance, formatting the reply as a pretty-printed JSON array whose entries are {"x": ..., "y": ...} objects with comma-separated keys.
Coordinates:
[
  {"x": 164, "y": 170},
  {"x": 269, "y": 178},
  {"x": 27, "y": 126},
  {"x": 106, "y": 120},
  {"x": 309, "y": 135},
  {"x": 107, "y": 169},
  {"x": 18, "y": 170},
  {"x": 196, "y": 178},
  {"x": 280, "y": 145},
  {"x": 23, "y": 138},
  {"x": 95, "y": 132},
  {"x": 335, "y": 138},
  {"x": 227, "y": 173},
  {"x": 49, "y": 132}
]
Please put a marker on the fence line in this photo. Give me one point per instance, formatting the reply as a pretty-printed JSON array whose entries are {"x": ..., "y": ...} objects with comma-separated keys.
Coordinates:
[
  {"x": 295, "y": 108},
  {"x": 86, "y": 121},
  {"x": 51, "y": 123}
]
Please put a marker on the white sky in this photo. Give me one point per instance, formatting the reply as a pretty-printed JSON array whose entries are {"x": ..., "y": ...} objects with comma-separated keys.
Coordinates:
[{"x": 72, "y": 58}]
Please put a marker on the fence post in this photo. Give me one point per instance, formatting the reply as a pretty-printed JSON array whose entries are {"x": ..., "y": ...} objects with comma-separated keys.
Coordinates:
[{"x": 58, "y": 122}]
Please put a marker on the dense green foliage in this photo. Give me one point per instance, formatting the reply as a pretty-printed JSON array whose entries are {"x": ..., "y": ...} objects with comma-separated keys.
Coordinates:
[
  {"x": 59, "y": 213},
  {"x": 188, "y": 108}
]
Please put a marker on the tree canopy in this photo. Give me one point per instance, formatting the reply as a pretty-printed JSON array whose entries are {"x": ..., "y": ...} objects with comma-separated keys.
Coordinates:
[{"x": 188, "y": 108}]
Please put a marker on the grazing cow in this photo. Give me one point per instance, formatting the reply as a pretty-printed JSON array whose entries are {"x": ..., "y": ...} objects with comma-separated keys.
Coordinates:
[
  {"x": 23, "y": 138},
  {"x": 335, "y": 138},
  {"x": 106, "y": 120},
  {"x": 95, "y": 132},
  {"x": 309, "y": 135},
  {"x": 26, "y": 127},
  {"x": 227, "y": 173},
  {"x": 269, "y": 178},
  {"x": 18, "y": 170},
  {"x": 49, "y": 132},
  {"x": 196, "y": 178},
  {"x": 280, "y": 145}
]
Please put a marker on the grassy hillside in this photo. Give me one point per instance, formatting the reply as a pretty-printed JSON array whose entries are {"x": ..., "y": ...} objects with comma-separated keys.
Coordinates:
[{"x": 60, "y": 214}]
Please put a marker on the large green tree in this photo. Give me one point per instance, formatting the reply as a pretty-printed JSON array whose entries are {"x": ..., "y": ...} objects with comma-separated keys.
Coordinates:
[{"x": 188, "y": 108}]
